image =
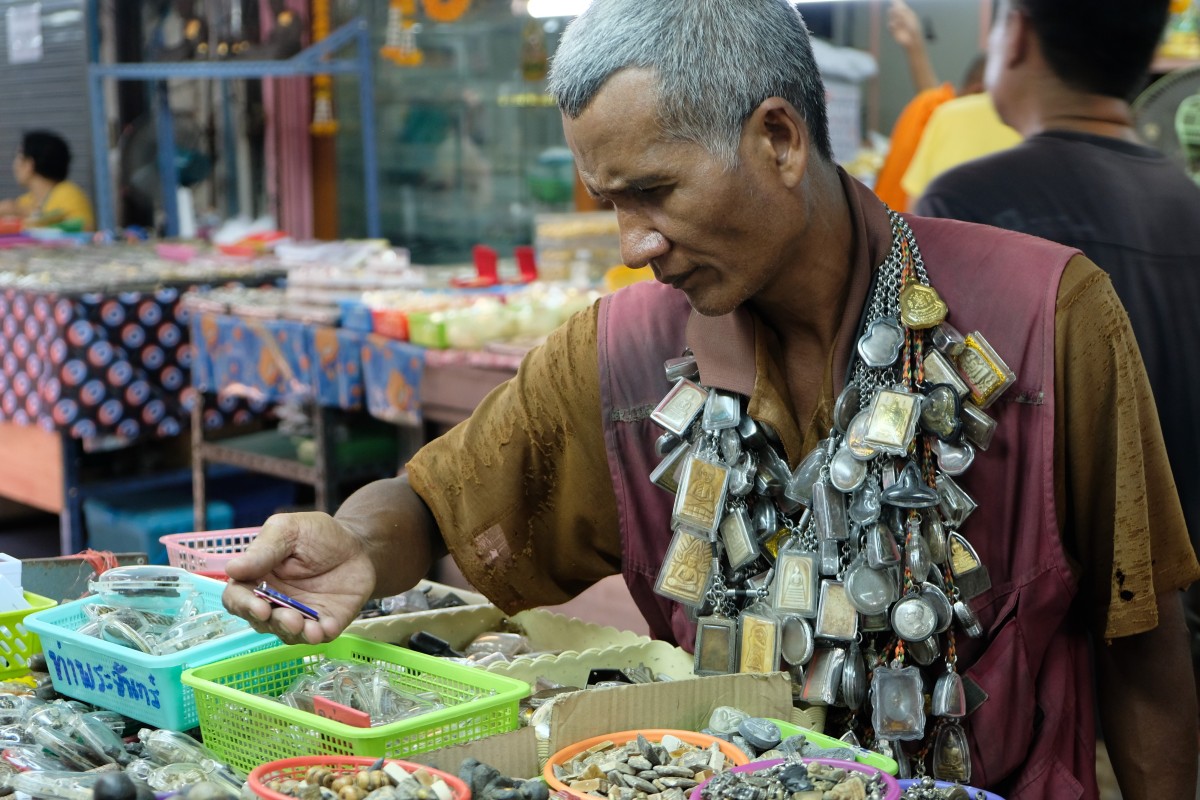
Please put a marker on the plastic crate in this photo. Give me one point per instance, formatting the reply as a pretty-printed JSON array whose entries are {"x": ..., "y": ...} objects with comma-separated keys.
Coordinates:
[
  {"x": 133, "y": 523},
  {"x": 428, "y": 329},
  {"x": 254, "y": 497},
  {"x": 390, "y": 322},
  {"x": 242, "y": 724},
  {"x": 356, "y": 316},
  {"x": 141, "y": 686},
  {"x": 17, "y": 642},
  {"x": 208, "y": 551}
]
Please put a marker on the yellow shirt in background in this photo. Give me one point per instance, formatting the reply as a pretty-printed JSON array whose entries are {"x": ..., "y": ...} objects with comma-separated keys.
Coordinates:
[
  {"x": 66, "y": 201},
  {"x": 959, "y": 130}
]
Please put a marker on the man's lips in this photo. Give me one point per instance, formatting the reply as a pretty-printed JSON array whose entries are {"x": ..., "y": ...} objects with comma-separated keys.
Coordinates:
[{"x": 677, "y": 280}]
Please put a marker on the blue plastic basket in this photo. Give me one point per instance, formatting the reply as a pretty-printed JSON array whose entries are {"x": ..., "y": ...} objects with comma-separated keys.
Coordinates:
[{"x": 140, "y": 686}]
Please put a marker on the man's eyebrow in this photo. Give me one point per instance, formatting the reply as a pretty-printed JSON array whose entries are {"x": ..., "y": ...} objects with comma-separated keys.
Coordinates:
[{"x": 621, "y": 187}]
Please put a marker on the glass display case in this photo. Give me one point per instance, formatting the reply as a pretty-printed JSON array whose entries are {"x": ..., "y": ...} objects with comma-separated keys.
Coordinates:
[{"x": 470, "y": 145}]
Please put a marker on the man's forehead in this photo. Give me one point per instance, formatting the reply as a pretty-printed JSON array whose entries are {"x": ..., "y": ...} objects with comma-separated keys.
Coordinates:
[
  {"x": 615, "y": 136},
  {"x": 628, "y": 89}
]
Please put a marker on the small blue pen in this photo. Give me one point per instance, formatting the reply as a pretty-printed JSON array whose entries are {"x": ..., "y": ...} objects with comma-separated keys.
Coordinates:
[{"x": 280, "y": 599}]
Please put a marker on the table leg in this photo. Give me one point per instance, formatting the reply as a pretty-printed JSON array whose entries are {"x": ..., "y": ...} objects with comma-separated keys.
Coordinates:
[
  {"x": 325, "y": 487},
  {"x": 199, "y": 488},
  {"x": 70, "y": 519}
]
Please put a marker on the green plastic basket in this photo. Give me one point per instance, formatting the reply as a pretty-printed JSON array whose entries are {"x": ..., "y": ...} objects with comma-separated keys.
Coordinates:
[
  {"x": 18, "y": 643},
  {"x": 241, "y": 722}
]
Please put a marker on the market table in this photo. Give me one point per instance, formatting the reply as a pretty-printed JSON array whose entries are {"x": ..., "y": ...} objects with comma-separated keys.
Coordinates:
[
  {"x": 94, "y": 358},
  {"x": 326, "y": 368},
  {"x": 87, "y": 371}
]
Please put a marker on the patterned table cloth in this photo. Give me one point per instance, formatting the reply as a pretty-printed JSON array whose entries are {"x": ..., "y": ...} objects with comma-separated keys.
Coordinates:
[
  {"x": 102, "y": 364},
  {"x": 272, "y": 360}
]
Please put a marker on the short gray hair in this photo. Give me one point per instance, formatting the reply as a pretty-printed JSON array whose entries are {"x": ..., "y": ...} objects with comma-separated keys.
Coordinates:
[{"x": 716, "y": 61}]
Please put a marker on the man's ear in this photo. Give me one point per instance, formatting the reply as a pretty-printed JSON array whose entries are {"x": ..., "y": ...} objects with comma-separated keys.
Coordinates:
[
  {"x": 779, "y": 136},
  {"x": 1019, "y": 39}
]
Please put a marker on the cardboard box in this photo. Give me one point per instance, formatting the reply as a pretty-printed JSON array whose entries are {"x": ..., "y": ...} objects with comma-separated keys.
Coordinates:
[
  {"x": 459, "y": 627},
  {"x": 399, "y": 628},
  {"x": 573, "y": 668},
  {"x": 684, "y": 705},
  {"x": 570, "y": 647}
]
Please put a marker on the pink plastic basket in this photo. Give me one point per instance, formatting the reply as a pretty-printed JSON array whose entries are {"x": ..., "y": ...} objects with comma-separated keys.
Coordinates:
[{"x": 207, "y": 551}]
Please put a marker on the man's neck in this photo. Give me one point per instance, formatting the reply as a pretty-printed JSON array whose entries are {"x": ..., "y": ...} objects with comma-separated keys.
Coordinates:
[
  {"x": 39, "y": 189},
  {"x": 808, "y": 299},
  {"x": 1054, "y": 107}
]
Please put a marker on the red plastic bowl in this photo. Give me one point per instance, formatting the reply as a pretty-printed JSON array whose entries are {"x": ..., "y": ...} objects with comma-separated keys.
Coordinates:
[{"x": 296, "y": 768}]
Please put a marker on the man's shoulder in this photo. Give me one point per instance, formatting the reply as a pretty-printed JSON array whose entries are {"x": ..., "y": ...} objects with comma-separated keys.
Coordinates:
[
  {"x": 69, "y": 189},
  {"x": 646, "y": 297},
  {"x": 988, "y": 274},
  {"x": 988, "y": 174},
  {"x": 967, "y": 105},
  {"x": 637, "y": 315},
  {"x": 929, "y": 100},
  {"x": 972, "y": 189},
  {"x": 970, "y": 241}
]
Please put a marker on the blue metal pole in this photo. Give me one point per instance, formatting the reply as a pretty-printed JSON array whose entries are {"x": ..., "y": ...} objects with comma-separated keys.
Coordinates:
[
  {"x": 70, "y": 519},
  {"x": 366, "y": 102},
  {"x": 105, "y": 216},
  {"x": 93, "y": 22},
  {"x": 230, "y": 145},
  {"x": 167, "y": 175}
]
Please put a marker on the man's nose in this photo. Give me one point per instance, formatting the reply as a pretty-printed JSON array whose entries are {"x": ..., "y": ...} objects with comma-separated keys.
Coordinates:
[{"x": 640, "y": 243}]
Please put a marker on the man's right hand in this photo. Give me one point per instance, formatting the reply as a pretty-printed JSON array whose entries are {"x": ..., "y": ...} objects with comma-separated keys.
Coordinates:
[
  {"x": 312, "y": 558},
  {"x": 904, "y": 25}
]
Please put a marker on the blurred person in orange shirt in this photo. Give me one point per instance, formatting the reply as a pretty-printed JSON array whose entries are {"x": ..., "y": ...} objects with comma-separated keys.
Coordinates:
[{"x": 905, "y": 27}]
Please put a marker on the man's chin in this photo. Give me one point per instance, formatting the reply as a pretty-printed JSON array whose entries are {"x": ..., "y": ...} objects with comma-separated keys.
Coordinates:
[{"x": 707, "y": 307}]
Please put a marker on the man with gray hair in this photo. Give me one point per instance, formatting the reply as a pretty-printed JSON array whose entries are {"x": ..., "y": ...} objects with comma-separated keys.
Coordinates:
[{"x": 829, "y": 437}]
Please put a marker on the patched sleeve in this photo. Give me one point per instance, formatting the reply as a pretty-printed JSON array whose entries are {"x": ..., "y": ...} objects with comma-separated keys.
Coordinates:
[
  {"x": 521, "y": 490},
  {"x": 1123, "y": 522}
]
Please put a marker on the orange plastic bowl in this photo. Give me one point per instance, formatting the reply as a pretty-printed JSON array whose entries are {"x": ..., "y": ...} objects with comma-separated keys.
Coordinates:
[
  {"x": 296, "y": 768},
  {"x": 732, "y": 753}
]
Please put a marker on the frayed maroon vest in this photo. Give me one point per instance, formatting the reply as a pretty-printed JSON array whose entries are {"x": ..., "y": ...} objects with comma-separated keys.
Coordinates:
[{"x": 1034, "y": 737}]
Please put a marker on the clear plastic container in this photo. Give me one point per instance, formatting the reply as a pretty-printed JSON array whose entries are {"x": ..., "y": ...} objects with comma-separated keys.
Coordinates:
[{"x": 146, "y": 587}]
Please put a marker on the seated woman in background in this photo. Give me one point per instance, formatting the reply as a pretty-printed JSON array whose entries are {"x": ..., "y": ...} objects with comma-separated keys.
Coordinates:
[{"x": 41, "y": 166}]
